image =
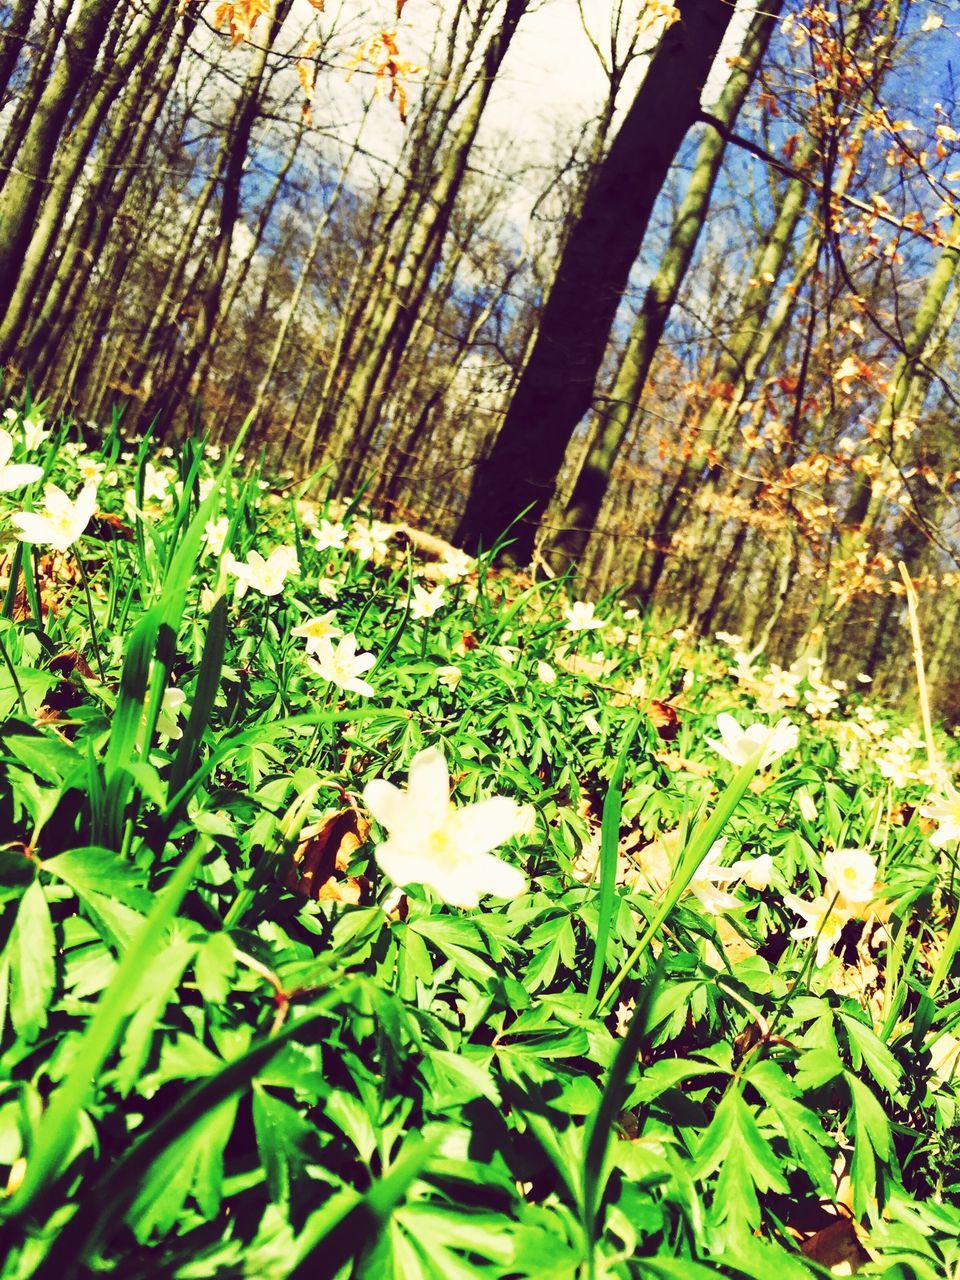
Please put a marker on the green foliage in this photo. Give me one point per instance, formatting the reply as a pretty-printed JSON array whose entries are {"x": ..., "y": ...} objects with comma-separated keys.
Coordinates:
[{"x": 231, "y": 1046}]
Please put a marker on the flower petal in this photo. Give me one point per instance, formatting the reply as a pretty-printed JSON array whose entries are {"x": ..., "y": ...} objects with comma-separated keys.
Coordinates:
[
  {"x": 482, "y": 826},
  {"x": 387, "y": 803},
  {"x": 429, "y": 788}
]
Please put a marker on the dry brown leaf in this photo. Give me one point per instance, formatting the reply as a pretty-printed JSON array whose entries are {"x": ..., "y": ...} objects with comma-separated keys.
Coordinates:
[
  {"x": 837, "y": 1248},
  {"x": 323, "y": 855},
  {"x": 664, "y": 719},
  {"x": 578, "y": 665},
  {"x": 681, "y": 764}
]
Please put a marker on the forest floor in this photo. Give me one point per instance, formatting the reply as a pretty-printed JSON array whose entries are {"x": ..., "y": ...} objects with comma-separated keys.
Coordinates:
[{"x": 368, "y": 911}]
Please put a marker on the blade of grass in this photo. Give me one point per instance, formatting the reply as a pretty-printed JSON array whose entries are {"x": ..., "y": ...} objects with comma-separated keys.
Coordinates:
[
  {"x": 59, "y": 1122},
  {"x": 609, "y": 849},
  {"x": 693, "y": 854}
]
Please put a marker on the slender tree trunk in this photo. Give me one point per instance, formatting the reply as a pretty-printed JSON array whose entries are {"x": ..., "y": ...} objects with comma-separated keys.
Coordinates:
[
  {"x": 556, "y": 387},
  {"x": 362, "y": 399},
  {"x": 12, "y": 36},
  {"x": 661, "y": 295},
  {"x": 236, "y": 147},
  {"x": 62, "y": 290},
  {"x": 25, "y": 186},
  {"x": 70, "y": 161}
]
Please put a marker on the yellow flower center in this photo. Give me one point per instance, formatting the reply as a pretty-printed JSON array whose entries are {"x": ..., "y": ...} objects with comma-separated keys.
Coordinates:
[{"x": 440, "y": 845}]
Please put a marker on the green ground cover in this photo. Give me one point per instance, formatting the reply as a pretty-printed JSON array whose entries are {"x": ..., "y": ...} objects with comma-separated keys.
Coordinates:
[{"x": 366, "y": 911}]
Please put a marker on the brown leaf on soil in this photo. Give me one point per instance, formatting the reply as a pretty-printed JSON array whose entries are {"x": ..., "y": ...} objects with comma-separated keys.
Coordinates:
[
  {"x": 323, "y": 855},
  {"x": 664, "y": 719},
  {"x": 578, "y": 665},
  {"x": 837, "y": 1248},
  {"x": 681, "y": 764}
]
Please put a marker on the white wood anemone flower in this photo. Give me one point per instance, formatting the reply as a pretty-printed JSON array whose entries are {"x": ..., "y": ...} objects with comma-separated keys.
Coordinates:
[
  {"x": 342, "y": 665},
  {"x": 61, "y": 522},
  {"x": 738, "y": 745},
  {"x": 439, "y": 846},
  {"x": 15, "y": 475}
]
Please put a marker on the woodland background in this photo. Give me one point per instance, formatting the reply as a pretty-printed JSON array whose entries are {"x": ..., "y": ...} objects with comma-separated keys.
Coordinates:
[{"x": 706, "y": 338}]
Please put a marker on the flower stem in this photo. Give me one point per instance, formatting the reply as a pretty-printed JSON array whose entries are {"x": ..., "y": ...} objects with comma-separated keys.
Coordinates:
[
  {"x": 13, "y": 676},
  {"x": 93, "y": 622}
]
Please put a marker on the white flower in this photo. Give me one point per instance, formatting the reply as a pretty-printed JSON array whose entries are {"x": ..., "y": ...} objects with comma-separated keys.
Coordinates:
[
  {"x": 740, "y": 745},
  {"x": 156, "y": 484},
  {"x": 266, "y": 576},
  {"x": 546, "y": 673},
  {"x": 327, "y": 588},
  {"x": 456, "y": 564},
  {"x": 708, "y": 876},
  {"x": 806, "y": 804},
  {"x": 444, "y": 848},
  {"x": 329, "y": 536},
  {"x": 34, "y": 431},
  {"x": 342, "y": 666},
  {"x": 91, "y": 469},
  {"x": 756, "y": 872},
  {"x": 14, "y": 475},
  {"x": 61, "y": 522},
  {"x": 580, "y": 617},
  {"x": 945, "y": 812},
  {"x": 725, "y": 637},
  {"x": 316, "y": 629},
  {"x": 371, "y": 542},
  {"x": 863, "y": 678},
  {"x": 852, "y": 873},
  {"x": 215, "y": 535},
  {"x": 821, "y": 917},
  {"x": 449, "y": 676},
  {"x": 173, "y": 706},
  {"x": 426, "y": 603},
  {"x": 822, "y": 701},
  {"x": 945, "y": 1059}
]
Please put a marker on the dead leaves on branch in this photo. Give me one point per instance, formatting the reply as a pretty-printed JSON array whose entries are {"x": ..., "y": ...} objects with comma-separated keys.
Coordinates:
[{"x": 391, "y": 71}]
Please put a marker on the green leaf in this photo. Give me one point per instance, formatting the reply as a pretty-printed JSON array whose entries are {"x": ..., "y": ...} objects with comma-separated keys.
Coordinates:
[
  {"x": 31, "y": 953},
  {"x": 101, "y": 871},
  {"x": 735, "y": 1149},
  {"x": 880, "y": 1062},
  {"x": 287, "y": 1143}
]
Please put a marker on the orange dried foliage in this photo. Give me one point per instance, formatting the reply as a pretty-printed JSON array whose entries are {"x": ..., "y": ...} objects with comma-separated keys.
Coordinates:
[{"x": 323, "y": 856}]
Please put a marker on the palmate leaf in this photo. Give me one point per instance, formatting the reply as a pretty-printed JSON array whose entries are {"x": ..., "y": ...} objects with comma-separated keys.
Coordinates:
[
  {"x": 799, "y": 1125},
  {"x": 734, "y": 1148},
  {"x": 191, "y": 1166},
  {"x": 872, "y": 1144},
  {"x": 286, "y": 1142}
]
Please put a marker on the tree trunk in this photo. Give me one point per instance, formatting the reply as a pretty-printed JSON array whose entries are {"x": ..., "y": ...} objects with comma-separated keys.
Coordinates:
[
  {"x": 556, "y": 387},
  {"x": 25, "y": 186},
  {"x": 661, "y": 295}
]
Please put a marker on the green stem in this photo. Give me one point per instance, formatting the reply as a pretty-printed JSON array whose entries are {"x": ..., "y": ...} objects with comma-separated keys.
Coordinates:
[
  {"x": 13, "y": 676},
  {"x": 93, "y": 621}
]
